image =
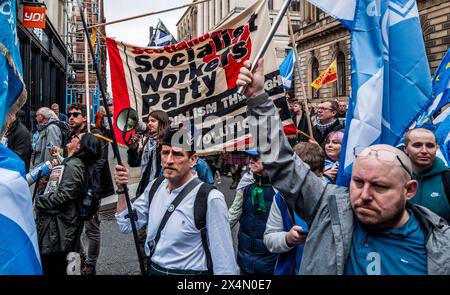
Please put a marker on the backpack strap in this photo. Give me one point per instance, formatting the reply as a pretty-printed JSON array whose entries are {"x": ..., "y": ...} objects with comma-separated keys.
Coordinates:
[
  {"x": 184, "y": 192},
  {"x": 153, "y": 189},
  {"x": 446, "y": 183},
  {"x": 200, "y": 208}
]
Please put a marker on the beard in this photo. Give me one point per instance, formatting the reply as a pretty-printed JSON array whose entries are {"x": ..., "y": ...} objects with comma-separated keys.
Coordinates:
[{"x": 384, "y": 224}]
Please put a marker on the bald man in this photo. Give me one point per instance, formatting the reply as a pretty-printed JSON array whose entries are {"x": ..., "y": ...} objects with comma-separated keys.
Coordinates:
[
  {"x": 430, "y": 172},
  {"x": 369, "y": 228}
]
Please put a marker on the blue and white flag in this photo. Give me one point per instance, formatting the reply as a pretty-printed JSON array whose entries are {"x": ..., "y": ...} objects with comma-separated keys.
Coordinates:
[
  {"x": 161, "y": 36},
  {"x": 391, "y": 82},
  {"x": 19, "y": 251},
  {"x": 441, "y": 91},
  {"x": 287, "y": 70},
  {"x": 442, "y": 123},
  {"x": 12, "y": 88}
]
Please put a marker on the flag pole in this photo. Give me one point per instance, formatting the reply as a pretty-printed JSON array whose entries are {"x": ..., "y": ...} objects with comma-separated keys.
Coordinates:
[
  {"x": 131, "y": 214},
  {"x": 297, "y": 62},
  {"x": 266, "y": 42},
  {"x": 144, "y": 15},
  {"x": 86, "y": 78}
]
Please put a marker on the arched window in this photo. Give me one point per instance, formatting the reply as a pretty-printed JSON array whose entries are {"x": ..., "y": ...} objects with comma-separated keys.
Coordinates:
[
  {"x": 314, "y": 74},
  {"x": 341, "y": 85}
]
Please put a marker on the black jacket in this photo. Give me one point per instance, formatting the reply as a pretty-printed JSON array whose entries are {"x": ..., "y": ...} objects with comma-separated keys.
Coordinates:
[
  {"x": 103, "y": 184},
  {"x": 320, "y": 138},
  {"x": 302, "y": 126},
  {"x": 19, "y": 141}
]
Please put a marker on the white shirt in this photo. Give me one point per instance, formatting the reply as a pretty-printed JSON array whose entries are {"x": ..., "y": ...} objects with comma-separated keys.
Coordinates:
[{"x": 180, "y": 244}]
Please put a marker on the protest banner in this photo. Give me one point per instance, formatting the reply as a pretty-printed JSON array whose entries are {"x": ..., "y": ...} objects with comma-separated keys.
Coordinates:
[{"x": 195, "y": 81}]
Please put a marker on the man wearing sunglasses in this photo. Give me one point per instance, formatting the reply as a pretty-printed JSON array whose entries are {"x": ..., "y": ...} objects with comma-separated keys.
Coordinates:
[
  {"x": 369, "y": 228},
  {"x": 103, "y": 188}
]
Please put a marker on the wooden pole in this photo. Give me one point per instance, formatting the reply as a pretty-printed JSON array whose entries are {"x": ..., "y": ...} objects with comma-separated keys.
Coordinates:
[
  {"x": 297, "y": 62},
  {"x": 144, "y": 15}
]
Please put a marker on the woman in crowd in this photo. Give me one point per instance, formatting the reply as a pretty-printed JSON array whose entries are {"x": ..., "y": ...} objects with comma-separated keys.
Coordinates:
[
  {"x": 57, "y": 210},
  {"x": 332, "y": 147},
  {"x": 147, "y": 156}
]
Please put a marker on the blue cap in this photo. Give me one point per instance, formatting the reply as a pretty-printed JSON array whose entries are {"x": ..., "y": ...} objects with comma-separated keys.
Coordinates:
[{"x": 252, "y": 152}]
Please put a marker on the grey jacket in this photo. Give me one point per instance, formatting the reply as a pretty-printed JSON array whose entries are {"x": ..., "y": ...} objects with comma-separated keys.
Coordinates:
[
  {"x": 327, "y": 209},
  {"x": 49, "y": 135}
]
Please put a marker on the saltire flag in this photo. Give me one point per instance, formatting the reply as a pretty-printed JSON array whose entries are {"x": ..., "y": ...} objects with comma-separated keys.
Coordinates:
[
  {"x": 287, "y": 69},
  {"x": 12, "y": 88},
  {"x": 161, "y": 36},
  {"x": 195, "y": 81},
  {"x": 326, "y": 77},
  {"x": 391, "y": 82},
  {"x": 442, "y": 123},
  {"x": 19, "y": 251},
  {"x": 441, "y": 91}
]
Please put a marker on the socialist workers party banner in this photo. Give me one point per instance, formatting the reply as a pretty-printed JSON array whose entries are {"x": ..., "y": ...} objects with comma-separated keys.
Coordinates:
[
  {"x": 327, "y": 76},
  {"x": 195, "y": 81}
]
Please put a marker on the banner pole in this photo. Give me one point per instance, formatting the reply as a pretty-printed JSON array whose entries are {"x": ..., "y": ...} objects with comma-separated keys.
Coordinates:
[
  {"x": 131, "y": 214},
  {"x": 86, "y": 82},
  {"x": 144, "y": 15},
  {"x": 266, "y": 42},
  {"x": 297, "y": 62}
]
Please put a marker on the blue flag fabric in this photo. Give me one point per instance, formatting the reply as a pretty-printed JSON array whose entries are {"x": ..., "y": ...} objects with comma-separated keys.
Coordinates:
[
  {"x": 161, "y": 36},
  {"x": 19, "y": 252},
  {"x": 442, "y": 123},
  {"x": 441, "y": 91},
  {"x": 391, "y": 82},
  {"x": 12, "y": 89},
  {"x": 287, "y": 70}
]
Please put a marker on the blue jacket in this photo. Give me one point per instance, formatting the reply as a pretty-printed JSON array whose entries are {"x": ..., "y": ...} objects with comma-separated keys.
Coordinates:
[{"x": 253, "y": 256}]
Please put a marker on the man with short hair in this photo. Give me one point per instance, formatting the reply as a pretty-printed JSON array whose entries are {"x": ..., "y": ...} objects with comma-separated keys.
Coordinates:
[
  {"x": 178, "y": 247},
  {"x": 103, "y": 187},
  {"x": 326, "y": 120},
  {"x": 61, "y": 116},
  {"x": 369, "y": 228},
  {"x": 429, "y": 171},
  {"x": 77, "y": 118}
]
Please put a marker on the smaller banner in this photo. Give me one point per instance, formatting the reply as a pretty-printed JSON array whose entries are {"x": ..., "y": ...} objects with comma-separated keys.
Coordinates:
[
  {"x": 34, "y": 17},
  {"x": 327, "y": 76}
]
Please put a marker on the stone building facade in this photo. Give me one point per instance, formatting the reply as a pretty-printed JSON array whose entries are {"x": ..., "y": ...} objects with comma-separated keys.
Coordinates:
[{"x": 321, "y": 39}]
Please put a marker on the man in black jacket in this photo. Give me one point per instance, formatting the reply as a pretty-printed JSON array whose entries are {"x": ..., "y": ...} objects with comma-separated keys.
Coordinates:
[
  {"x": 19, "y": 140},
  {"x": 103, "y": 187},
  {"x": 327, "y": 112}
]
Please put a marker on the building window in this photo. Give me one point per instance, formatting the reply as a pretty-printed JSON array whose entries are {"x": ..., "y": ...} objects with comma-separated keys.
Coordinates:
[
  {"x": 270, "y": 4},
  {"x": 295, "y": 5},
  {"x": 314, "y": 74},
  {"x": 341, "y": 86}
]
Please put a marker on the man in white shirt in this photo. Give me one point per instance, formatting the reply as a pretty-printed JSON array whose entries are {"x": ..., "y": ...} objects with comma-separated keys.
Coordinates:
[{"x": 179, "y": 249}]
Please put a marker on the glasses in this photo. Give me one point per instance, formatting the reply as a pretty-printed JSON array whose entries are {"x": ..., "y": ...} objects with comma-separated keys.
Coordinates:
[
  {"x": 75, "y": 114},
  {"x": 323, "y": 109},
  {"x": 382, "y": 155}
]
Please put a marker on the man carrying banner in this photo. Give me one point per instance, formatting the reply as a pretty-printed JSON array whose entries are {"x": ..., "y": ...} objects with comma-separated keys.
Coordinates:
[
  {"x": 430, "y": 172},
  {"x": 174, "y": 243},
  {"x": 367, "y": 229}
]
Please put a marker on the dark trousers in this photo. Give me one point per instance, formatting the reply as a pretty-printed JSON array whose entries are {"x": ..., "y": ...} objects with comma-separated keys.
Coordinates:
[{"x": 54, "y": 264}]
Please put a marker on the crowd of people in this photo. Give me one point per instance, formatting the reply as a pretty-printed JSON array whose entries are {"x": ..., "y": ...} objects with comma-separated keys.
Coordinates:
[{"x": 293, "y": 218}]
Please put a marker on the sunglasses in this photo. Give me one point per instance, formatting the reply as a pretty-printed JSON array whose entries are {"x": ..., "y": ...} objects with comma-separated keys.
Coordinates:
[{"x": 74, "y": 114}]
